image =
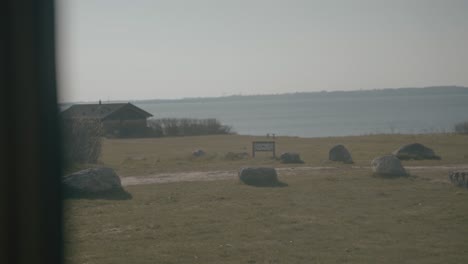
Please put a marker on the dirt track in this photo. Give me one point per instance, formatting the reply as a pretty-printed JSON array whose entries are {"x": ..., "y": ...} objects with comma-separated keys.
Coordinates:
[{"x": 224, "y": 175}]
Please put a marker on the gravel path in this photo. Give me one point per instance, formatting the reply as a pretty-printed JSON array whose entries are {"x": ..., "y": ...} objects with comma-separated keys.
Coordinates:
[{"x": 224, "y": 175}]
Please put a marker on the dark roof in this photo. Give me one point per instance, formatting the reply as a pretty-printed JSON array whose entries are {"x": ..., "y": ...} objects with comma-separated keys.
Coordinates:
[{"x": 99, "y": 111}]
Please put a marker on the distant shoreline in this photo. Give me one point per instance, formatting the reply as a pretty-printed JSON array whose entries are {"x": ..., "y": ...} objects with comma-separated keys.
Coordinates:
[
  {"x": 385, "y": 91},
  {"x": 388, "y": 111},
  {"x": 322, "y": 137}
]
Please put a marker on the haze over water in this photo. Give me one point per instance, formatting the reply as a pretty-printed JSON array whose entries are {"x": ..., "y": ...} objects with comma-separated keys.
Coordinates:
[{"x": 408, "y": 111}]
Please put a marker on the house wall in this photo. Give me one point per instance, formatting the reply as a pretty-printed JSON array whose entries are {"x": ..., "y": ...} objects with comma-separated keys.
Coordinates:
[
  {"x": 125, "y": 127},
  {"x": 128, "y": 121}
]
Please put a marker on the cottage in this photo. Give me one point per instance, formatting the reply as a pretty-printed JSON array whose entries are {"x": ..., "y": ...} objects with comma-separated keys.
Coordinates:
[{"x": 120, "y": 119}]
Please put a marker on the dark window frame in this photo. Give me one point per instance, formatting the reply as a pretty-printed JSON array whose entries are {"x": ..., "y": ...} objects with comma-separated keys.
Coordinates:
[{"x": 30, "y": 160}]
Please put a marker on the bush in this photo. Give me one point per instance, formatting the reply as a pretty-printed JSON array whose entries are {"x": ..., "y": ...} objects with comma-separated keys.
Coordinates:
[
  {"x": 187, "y": 127},
  {"x": 81, "y": 141},
  {"x": 461, "y": 128}
]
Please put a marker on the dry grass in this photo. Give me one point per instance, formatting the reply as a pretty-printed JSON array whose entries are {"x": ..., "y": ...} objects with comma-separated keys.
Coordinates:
[
  {"x": 155, "y": 155},
  {"x": 323, "y": 216}
]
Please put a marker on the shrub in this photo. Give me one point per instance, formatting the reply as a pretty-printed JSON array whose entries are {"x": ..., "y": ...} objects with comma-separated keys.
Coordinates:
[
  {"x": 461, "y": 128},
  {"x": 187, "y": 127},
  {"x": 81, "y": 141}
]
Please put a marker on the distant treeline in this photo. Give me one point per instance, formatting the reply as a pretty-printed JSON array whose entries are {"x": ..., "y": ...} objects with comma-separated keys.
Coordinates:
[{"x": 171, "y": 127}]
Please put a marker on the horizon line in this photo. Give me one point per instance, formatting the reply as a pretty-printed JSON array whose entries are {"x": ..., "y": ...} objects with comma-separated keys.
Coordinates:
[{"x": 265, "y": 94}]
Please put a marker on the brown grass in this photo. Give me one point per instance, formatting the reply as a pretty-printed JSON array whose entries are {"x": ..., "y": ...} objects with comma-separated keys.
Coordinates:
[
  {"x": 323, "y": 216},
  {"x": 155, "y": 155}
]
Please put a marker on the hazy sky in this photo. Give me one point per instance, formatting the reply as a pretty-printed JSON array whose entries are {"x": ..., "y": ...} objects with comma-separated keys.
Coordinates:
[{"x": 122, "y": 49}]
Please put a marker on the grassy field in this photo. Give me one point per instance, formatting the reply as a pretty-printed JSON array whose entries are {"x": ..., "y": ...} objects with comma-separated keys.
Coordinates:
[
  {"x": 148, "y": 156},
  {"x": 322, "y": 216}
]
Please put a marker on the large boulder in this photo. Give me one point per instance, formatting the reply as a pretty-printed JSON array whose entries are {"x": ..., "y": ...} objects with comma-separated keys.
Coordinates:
[
  {"x": 340, "y": 153},
  {"x": 289, "y": 157},
  {"x": 259, "y": 176},
  {"x": 415, "y": 151},
  {"x": 459, "y": 178},
  {"x": 388, "y": 166},
  {"x": 99, "y": 182}
]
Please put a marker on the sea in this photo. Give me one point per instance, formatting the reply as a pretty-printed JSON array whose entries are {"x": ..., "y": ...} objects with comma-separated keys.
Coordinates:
[{"x": 327, "y": 114}]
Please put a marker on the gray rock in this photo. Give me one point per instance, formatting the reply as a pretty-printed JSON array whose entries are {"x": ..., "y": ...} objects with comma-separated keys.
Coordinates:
[
  {"x": 289, "y": 157},
  {"x": 94, "y": 182},
  {"x": 415, "y": 151},
  {"x": 388, "y": 166},
  {"x": 259, "y": 176},
  {"x": 459, "y": 178},
  {"x": 198, "y": 153},
  {"x": 340, "y": 153}
]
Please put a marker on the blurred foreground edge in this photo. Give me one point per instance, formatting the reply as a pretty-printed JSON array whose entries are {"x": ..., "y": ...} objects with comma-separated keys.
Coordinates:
[{"x": 30, "y": 165}]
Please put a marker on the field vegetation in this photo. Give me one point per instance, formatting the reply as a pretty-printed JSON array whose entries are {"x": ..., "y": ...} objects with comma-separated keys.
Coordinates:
[
  {"x": 81, "y": 142},
  {"x": 176, "y": 127},
  {"x": 134, "y": 157},
  {"x": 337, "y": 214}
]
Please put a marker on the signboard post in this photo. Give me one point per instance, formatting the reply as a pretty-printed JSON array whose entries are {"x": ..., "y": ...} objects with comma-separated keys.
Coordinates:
[{"x": 263, "y": 146}]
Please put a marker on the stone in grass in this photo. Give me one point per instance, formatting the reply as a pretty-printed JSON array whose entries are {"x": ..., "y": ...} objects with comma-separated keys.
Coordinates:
[
  {"x": 260, "y": 176},
  {"x": 388, "y": 166},
  {"x": 415, "y": 151},
  {"x": 459, "y": 178},
  {"x": 198, "y": 153},
  {"x": 289, "y": 157},
  {"x": 340, "y": 153},
  {"x": 94, "y": 183}
]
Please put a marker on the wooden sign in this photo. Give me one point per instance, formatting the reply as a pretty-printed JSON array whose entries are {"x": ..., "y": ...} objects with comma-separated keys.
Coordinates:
[{"x": 263, "y": 146}]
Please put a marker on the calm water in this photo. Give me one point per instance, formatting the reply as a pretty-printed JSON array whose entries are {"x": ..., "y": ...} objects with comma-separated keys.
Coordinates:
[{"x": 326, "y": 114}]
